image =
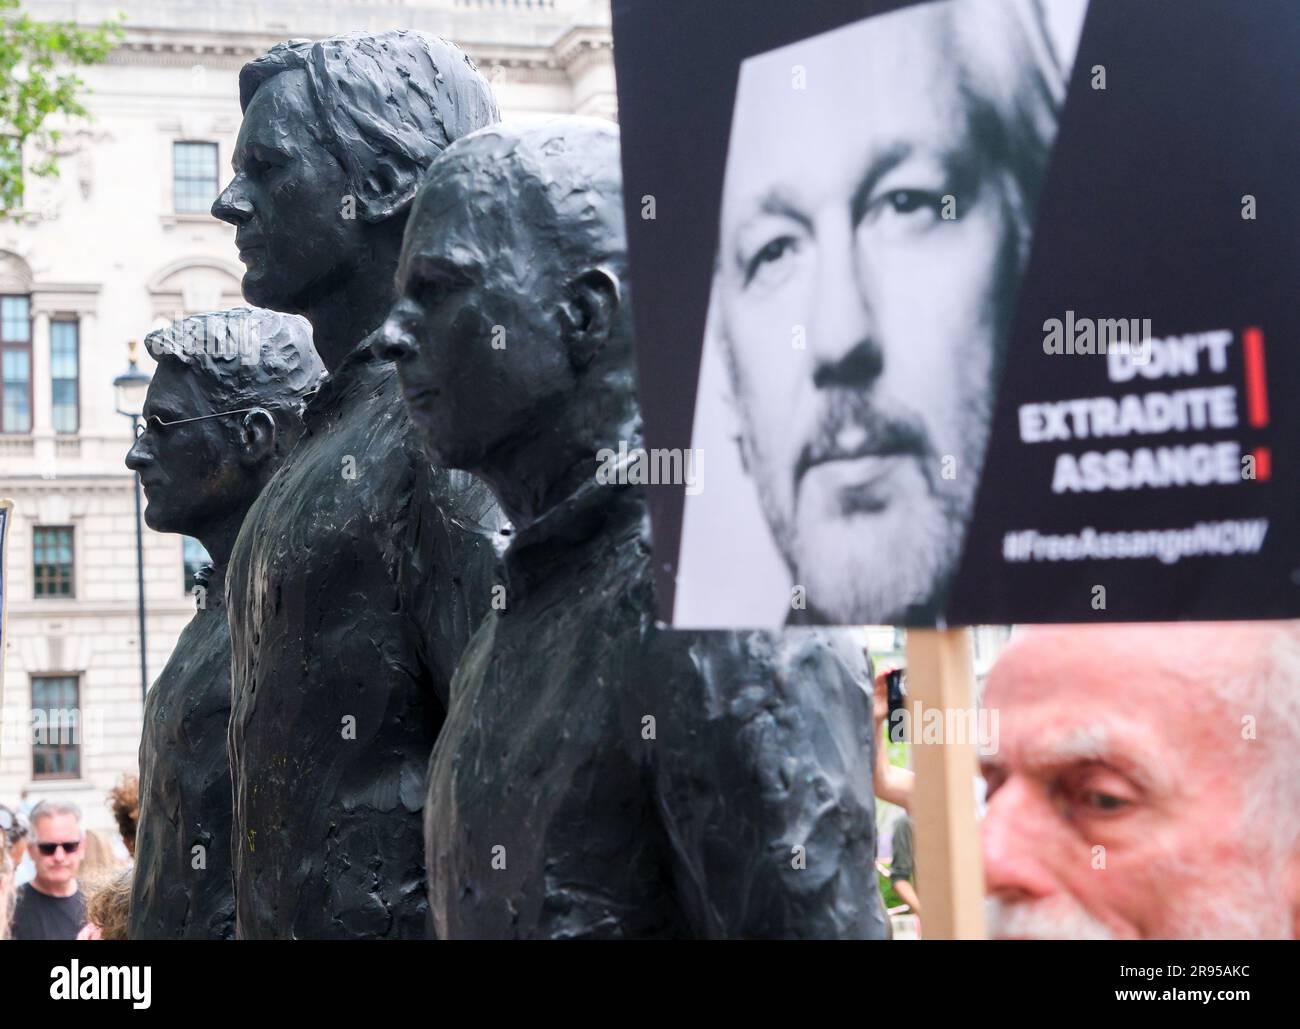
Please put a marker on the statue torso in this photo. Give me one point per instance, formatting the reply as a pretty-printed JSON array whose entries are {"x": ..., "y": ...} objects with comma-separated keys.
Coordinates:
[
  {"x": 599, "y": 777},
  {"x": 539, "y": 818},
  {"x": 182, "y": 887},
  {"x": 357, "y": 579}
]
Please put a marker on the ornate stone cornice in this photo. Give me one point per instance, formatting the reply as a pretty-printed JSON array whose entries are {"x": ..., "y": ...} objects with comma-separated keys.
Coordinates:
[
  {"x": 582, "y": 41},
  {"x": 173, "y": 48}
]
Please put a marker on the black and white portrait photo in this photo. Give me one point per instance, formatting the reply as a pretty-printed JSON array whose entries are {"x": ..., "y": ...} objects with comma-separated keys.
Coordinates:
[
  {"x": 876, "y": 214},
  {"x": 888, "y": 246}
]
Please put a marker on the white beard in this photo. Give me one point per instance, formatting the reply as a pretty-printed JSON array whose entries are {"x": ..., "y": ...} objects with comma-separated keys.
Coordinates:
[
  {"x": 1209, "y": 914},
  {"x": 1055, "y": 919},
  {"x": 860, "y": 572},
  {"x": 1254, "y": 910}
]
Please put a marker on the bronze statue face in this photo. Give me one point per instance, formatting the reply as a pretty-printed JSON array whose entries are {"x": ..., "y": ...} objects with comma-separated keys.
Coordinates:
[
  {"x": 298, "y": 230},
  {"x": 475, "y": 331},
  {"x": 190, "y": 472},
  {"x": 223, "y": 405}
]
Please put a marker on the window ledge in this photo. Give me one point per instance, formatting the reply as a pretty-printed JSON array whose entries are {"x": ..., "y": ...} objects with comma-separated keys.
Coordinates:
[
  {"x": 56, "y": 786},
  {"x": 17, "y": 444}
]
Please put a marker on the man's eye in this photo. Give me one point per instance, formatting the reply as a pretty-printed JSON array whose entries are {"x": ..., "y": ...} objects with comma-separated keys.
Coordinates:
[
  {"x": 257, "y": 166},
  {"x": 431, "y": 290},
  {"x": 770, "y": 254},
  {"x": 1107, "y": 803},
  {"x": 909, "y": 201}
]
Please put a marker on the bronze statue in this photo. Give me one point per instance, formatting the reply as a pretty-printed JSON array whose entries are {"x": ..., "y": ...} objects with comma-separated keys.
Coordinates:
[
  {"x": 361, "y": 571},
  {"x": 224, "y": 407},
  {"x": 598, "y": 776}
]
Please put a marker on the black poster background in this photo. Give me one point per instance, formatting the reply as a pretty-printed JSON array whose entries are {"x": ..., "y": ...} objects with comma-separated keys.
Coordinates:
[{"x": 1140, "y": 217}]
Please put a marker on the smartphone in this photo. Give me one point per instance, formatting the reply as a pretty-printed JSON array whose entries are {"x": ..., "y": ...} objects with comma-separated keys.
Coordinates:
[{"x": 896, "y": 683}]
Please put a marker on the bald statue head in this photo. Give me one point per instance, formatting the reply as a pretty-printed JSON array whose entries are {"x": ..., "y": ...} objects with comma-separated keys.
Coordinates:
[
  {"x": 1146, "y": 782},
  {"x": 512, "y": 316}
]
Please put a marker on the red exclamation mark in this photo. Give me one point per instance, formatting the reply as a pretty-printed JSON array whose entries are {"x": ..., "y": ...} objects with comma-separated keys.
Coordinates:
[
  {"x": 1256, "y": 378},
  {"x": 1263, "y": 464}
]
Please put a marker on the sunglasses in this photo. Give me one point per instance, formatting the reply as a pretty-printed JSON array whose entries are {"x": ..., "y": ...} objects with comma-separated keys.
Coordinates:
[{"x": 48, "y": 849}]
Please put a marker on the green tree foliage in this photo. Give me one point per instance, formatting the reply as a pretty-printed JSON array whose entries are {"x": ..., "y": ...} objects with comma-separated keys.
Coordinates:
[{"x": 37, "y": 80}]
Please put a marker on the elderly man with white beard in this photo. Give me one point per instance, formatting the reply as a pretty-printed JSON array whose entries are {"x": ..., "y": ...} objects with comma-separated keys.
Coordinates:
[{"x": 1146, "y": 783}]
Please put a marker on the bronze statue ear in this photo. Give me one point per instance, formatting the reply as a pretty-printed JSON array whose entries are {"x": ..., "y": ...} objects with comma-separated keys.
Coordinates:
[
  {"x": 388, "y": 191},
  {"x": 588, "y": 314},
  {"x": 258, "y": 435}
]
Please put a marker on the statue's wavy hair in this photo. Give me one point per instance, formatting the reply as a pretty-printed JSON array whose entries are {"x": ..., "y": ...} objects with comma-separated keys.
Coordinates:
[
  {"x": 386, "y": 104},
  {"x": 244, "y": 357}
]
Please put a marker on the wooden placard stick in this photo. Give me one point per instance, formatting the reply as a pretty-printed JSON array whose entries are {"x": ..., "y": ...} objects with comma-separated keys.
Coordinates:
[{"x": 950, "y": 873}]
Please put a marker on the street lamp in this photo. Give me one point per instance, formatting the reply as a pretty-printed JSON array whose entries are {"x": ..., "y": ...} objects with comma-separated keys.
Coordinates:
[{"x": 130, "y": 389}]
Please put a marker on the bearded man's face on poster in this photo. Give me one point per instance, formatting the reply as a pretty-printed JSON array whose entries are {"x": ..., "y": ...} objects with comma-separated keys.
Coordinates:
[{"x": 875, "y": 220}]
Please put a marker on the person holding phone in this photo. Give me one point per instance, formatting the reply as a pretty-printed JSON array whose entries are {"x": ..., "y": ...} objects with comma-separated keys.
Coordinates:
[{"x": 895, "y": 785}]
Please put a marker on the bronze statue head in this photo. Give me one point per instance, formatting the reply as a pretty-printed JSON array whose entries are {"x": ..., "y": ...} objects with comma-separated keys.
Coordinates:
[
  {"x": 512, "y": 334},
  {"x": 224, "y": 405},
  {"x": 336, "y": 136}
]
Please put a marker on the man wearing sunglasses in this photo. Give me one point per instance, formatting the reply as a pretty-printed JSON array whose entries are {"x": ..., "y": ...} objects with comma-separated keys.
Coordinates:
[
  {"x": 52, "y": 906},
  {"x": 224, "y": 407}
]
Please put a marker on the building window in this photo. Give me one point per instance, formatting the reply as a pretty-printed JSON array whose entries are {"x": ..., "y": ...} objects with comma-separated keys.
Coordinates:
[
  {"x": 64, "y": 360},
  {"x": 195, "y": 557},
  {"x": 52, "y": 552},
  {"x": 56, "y": 727},
  {"x": 16, "y": 363},
  {"x": 194, "y": 176}
]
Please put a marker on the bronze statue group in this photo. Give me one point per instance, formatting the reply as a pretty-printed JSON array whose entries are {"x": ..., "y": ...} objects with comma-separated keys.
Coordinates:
[{"x": 424, "y": 693}]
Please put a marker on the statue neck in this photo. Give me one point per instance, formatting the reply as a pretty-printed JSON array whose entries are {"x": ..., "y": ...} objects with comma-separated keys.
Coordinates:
[
  {"x": 218, "y": 536},
  {"x": 542, "y": 470},
  {"x": 346, "y": 309},
  {"x": 218, "y": 539}
]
